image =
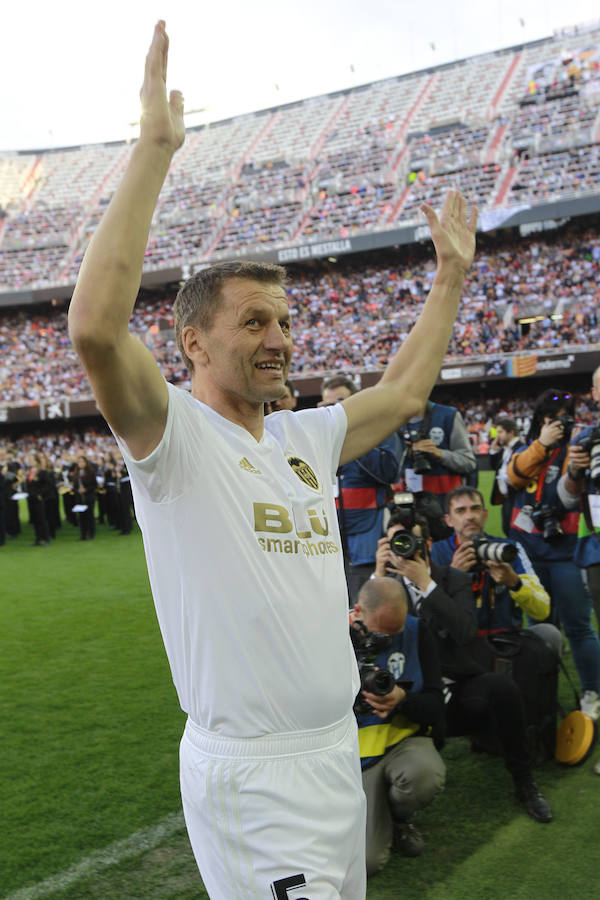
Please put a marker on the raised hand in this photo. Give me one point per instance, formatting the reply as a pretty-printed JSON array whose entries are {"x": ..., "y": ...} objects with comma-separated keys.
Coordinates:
[
  {"x": 452, "y": 235},
  {"x": 162, "y": 119}
]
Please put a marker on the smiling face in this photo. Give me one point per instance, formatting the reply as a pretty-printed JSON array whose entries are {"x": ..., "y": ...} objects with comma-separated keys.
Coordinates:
[
  {"x": 245, "y": 354},
  {"x": 467, "y": 516}
]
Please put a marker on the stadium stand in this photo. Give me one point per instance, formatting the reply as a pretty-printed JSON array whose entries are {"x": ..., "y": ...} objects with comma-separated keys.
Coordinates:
[
  {"x": 514, "y": 128},
  {"x": 511, "y": 129},
  {"x": 351, "y": 315}
]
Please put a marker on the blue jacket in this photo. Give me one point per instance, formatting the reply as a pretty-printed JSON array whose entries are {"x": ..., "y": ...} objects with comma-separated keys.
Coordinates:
[
  {"x": 500, "y": 609},
  {"x": 364, "y": 485},
  {"x": 412, "y": 656}
]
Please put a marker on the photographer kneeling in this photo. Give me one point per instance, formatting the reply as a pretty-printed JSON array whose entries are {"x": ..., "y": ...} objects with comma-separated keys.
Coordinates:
[
  {"x": 545, "y": 520},
  {"x": 476, "y": 699},
  {"x": 400, "y": 702}
]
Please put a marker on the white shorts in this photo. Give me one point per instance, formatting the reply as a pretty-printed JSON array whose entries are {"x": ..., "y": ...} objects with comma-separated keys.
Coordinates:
[{"x": 280, "y": 817}]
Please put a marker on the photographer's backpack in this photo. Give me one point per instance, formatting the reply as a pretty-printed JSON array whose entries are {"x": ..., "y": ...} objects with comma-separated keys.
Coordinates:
[{"x": 524, "y": 657}]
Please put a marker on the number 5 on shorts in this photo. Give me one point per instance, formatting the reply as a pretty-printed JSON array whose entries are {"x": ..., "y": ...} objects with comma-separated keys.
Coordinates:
[{"x": 280, "y": 888}]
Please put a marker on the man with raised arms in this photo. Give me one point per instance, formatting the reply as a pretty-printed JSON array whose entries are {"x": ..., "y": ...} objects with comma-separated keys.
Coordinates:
[{"x": 240, "y": 531}]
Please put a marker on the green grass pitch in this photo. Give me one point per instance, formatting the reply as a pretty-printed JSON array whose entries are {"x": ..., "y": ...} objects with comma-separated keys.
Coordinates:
[{"x": 90, "y": 734}]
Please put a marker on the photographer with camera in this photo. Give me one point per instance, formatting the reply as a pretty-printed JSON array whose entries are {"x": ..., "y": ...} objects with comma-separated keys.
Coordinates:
[
  {"x": 436, "y": 456},
  {"x": 399, "y": 705},
  {"x": 477, "y": 700},
  {"x": 545, "y": 520},
  {"x": 582, "y": 481},
  {"x": 502, "y": 577}
]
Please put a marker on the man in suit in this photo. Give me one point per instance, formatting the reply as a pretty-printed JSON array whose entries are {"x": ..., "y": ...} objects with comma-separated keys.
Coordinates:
[{"x": 506, "y": 442}]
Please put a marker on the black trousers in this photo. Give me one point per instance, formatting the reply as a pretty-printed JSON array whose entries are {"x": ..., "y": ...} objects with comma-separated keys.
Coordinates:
[
  {"x": 39, "y": 519},
  {"x": 87, "y": 522},
  {"x": 593, "y": 579},
  {"x": 491, "y": 703},
  {"x": 13, "y": 524}
]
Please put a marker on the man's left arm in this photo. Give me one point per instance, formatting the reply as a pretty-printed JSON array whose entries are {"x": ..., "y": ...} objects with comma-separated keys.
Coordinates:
[{"x": 404, "y": 388}]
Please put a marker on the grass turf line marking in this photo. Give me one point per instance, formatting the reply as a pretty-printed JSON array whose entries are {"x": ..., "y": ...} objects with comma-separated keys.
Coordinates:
[{"x": 137, "y": 843}]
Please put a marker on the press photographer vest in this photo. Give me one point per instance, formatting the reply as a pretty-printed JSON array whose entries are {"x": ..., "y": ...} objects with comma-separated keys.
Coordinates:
[
  {"x": 376, "y": 735},
  {"x": 364, "y": 485},
  {"x": 437, "y": 426}
]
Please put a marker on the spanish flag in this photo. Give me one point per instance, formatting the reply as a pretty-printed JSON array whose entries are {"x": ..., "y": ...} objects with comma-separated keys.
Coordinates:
[{"x": 522, "y": 366}]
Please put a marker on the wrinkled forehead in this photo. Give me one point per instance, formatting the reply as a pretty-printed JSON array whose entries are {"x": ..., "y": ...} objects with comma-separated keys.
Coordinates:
[{"x": 240, "y": 293}]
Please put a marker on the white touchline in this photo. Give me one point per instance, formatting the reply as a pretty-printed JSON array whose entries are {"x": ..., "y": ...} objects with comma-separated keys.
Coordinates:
[{"x": 136, "y": 843}]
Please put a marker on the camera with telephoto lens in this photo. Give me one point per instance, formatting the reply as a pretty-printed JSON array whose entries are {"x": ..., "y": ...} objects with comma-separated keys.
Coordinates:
[
  {"x": 420, "y": 462},
  {"x": 591, "y": 444},
  {"x": 547, "y": 520},
  {"x": 488, "y": 550},
  {"x": 367, "y": 645}
]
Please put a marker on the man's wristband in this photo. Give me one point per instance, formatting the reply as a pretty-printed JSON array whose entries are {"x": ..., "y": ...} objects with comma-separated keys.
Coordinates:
[
  {"x": 578, "y": 475},
  {"x": 517, "y": 586}
]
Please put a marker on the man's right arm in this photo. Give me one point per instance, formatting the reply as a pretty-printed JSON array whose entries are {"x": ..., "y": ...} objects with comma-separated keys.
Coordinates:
[
  {"x": 524, "y": 465},
  {"x": 126, "y": 381}
]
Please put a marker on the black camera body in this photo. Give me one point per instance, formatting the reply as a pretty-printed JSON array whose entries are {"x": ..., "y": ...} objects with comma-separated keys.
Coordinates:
[
  {"x": 367, "y": 645},
  {"x": 420, "y": 461},
  {"x": 568, "y": 423},
  {"x": 591, "y": 445},
  {"x": 406, "y": 544},
  {"x": 547, "y": 520},
  {"x": 404, "y": 508}
]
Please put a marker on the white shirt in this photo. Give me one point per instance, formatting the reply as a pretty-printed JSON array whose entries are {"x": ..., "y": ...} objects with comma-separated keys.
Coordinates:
[
  {"x": 501, "y": 477},
  {"x": 245, "y": 564}
]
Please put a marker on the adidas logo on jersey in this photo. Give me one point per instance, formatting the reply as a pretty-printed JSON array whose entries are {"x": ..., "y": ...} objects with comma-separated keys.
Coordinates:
[{"x": 247, "y": 466}]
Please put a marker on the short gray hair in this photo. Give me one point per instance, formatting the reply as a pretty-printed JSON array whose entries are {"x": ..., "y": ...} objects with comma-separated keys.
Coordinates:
[
  {"x": 199, "y": 298},
  {"x": 378, "y": 592}
]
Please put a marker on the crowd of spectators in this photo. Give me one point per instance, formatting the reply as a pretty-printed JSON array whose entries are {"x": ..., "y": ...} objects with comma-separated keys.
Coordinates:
[
  {"x": 480, "y": 414},
  {"x": 351, "y": 316}
]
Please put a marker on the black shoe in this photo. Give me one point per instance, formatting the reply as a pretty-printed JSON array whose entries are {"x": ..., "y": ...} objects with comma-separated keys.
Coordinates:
[
  {"x": 408, "y": 839},
  {"x": 533, "y": 801}
]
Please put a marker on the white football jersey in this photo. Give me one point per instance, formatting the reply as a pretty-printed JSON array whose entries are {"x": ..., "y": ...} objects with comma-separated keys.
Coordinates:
[{"x": 245, "y": 563}]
